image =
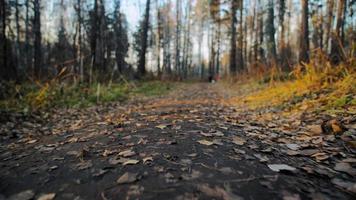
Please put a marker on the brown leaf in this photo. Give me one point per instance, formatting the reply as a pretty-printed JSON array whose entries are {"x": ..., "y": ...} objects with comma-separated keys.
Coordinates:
[
  {"x": 127, "y": 153},
  {"x": 238, "y": 140},
  {"x": 217, "y": 192},
  {"x": 205, "y": 142},
  {"x": 345, "y": 167},
  {"x": 49, "y": 196},
  {"x": 349, "y": 186},
  {"x": 281, "y": 167},
  {"x": 127, "y": 178},
  {"x": 24, "y": 195},
  {"x": 131, "y": 162}
]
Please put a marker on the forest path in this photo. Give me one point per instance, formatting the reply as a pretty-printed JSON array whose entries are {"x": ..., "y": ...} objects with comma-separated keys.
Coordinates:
[{"x": 186, "y": 145}]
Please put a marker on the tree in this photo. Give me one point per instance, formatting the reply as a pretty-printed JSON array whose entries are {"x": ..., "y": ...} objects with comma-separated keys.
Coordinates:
[
  {"x": 28, "y": 60},
  {"x": 271, "y": 31},
  {"x": 38, "y": 60},
  {"x": 3, "y": 40},
  {"x": 121, "y": 38},
  {"x": 144, "y": 41},
  {"x": 240, "y": 46},
  {"x": 304, "y": 33},
  {"x": 78, "y": 40},
  {"x": 177, "y": 44},
  {"x": 233, "y": 65},
  {"x": 337, "y": 39}
]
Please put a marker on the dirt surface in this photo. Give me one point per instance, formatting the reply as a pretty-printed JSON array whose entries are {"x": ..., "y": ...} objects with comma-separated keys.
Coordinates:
[{"x": 187, "y": 145}]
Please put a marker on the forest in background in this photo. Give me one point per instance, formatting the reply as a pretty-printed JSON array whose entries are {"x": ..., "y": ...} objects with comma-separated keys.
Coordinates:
[{"x": 173, "y": 40}]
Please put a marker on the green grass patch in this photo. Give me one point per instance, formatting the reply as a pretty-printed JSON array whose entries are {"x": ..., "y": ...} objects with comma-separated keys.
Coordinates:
[{"x": 29, "y": 97}]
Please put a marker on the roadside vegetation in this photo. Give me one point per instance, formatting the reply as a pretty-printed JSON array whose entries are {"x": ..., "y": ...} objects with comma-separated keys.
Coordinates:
[
  {"x": 29, "y": 97},
  {"x": 316, "y": 87}
]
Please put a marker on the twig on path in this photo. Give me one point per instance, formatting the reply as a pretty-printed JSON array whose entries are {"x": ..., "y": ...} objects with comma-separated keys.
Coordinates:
[{"x": 251, "y": 178}]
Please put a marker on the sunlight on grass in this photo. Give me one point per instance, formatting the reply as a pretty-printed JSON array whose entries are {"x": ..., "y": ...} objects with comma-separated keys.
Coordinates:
[{"x": 311, "y": 87}]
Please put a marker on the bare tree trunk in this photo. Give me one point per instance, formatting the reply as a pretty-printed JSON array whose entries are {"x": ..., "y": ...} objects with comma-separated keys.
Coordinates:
[
  {"x": 270, "y": 29},
  {"x": 38, "y": 62},
  {"x": 17, "y": 46},
  {"x": 233, "y": 64},
  {"x": 28, "y": 62},
  {"x": 3, "y": 42},
  {"x": 144, "y": 40},
  {"x": 337, "y": 43},
  {"x": 200, "y": 41},
  {"x": 158, "y": 39},
  {"x": 304, "y": 33},
  {"x": 78, "y": 45},
  {"x": 177, "y": 47},
  {"x": 330, "y": 11}
]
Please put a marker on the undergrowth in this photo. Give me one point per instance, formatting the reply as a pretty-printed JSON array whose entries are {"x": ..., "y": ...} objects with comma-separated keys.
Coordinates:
[
  {"x": 33, "y": 97},
  {"x": 312, "y": 86}
]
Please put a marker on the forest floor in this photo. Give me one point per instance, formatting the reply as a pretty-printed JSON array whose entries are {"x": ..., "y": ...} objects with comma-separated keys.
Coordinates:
[{"x": 189, "y": 144}]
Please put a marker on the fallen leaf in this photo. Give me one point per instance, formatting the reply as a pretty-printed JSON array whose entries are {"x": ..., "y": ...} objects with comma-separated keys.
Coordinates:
[
  {"x": 49, "y": 196},
  {"x": 131, "y": 162},
  {"x": 100, "y": 172},
  {"x": 108, "y": 152},
  {"x": 31, "y": 141},
  {"x": 24, "y": 195},
  {"x": 217, "y": 192},
  {"x": 147, "y": 159},
  {"x": 127, "y": 153},
  {"x": 84, "y": 165},
  {"x": 345, "y": 167},
  {"x": 238, "y": 140},
  {"x": 281, "y": 167},
  {"x": 293, "y": 147},
  {"x": 315, "y": 129},
  {"x": 117, "y": 160},
  {"x": 162, "y": 126},
  {"x": 127, "y": 178},
  {"x": 349, "y": 186},
  {"x": 205, "y": 142},
  {"x": 320, "y": 156}
]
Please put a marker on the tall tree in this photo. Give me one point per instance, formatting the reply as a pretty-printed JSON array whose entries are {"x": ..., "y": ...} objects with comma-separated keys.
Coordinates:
[
  {"x": 177, "y": 44},
  {"x": 233, "y": 64},
  {"x": 337, "y": 39},
  {"x": 240, "y": 46},
  {"x": 329, "y": 20},
  {"x": 121, "y": 38},
  {"x": 28, "y": 57},
  {"x": 3, "y": 40},
  {"x": 17, "y": 44},
  {"x": 144, "y": 41},
  {"x": 78, "y": 40},
  {"x": 271, "y": 31},
  {"x": 304, "y": 33},
  {"x": 38, "y": 59}
]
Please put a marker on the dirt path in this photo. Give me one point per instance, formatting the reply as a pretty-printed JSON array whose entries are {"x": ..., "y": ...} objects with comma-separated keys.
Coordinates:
[{"x": 187, "y": 145}]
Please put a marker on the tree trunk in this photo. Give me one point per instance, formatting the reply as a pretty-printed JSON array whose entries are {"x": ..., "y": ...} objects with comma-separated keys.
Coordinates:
[
  {"x": 304, "y": 34},
  {"x": 177, "y": 47},
  {"x": 17, "y": 46},
  {"x": 28, "y": 61},
  {"x": 3, "y": 42},
  {"x": 233, "y": 65},
  {"x": 38, "y": 68},
  {"x": 337, "y": 43},
  {"x": 144, "y": 38},
  {"x": 270, "y": 31}
]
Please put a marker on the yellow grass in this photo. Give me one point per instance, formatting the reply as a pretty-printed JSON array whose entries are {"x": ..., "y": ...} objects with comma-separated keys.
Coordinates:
[{"x": 309, "y": 87}]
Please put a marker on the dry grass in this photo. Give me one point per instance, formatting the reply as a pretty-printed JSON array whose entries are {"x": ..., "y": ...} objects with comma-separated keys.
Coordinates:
[{"x": 313, "y": 86}]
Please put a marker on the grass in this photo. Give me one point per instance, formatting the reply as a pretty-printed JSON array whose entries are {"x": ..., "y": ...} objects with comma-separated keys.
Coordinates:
[
  {"x": 31, "y": 97},
  {"x": 312, "y": 87}
]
